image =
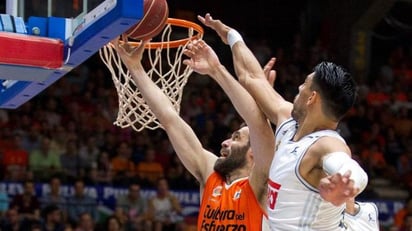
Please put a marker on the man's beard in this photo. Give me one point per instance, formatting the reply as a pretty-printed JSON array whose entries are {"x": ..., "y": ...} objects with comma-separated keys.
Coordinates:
[
  {"x": 236, "y": 160},
  {"x": 297, "y": 114}
]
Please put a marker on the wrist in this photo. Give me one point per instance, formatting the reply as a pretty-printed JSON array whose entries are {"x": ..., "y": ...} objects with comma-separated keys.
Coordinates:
[
  {"x": 233, "y": 37},
  {"x": 216, "y": 71}
]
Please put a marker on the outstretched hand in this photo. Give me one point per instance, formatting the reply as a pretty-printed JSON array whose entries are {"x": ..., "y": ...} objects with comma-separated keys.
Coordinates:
[
  {"x": 203, "y": 59},
  {"x": 222, "y": 30},
  {"x": 129, "y": 55},
  {"x": 337, "y": 188},
  {"x": 215, "y": 24}
]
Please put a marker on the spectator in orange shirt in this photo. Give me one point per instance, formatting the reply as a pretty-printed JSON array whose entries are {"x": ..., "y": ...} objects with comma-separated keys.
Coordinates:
[
  {"x": 403, "y": 123},
  {"x": 149, "y": 169},
  {"x": 122, "y": 165},
  {"x": 376, "y": 96},
  {"x": 400, "y": 215},
  {"x": 15, "y": 161}
]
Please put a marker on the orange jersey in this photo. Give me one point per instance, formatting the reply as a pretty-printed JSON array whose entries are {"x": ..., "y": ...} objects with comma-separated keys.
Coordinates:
[{"x": 229, "y": 207}]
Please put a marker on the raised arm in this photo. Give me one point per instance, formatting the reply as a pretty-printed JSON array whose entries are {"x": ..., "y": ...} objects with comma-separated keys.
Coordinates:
[
  {"x": 194, "y": 157},
  {"x": 205, "y": 61},
  {"x": 250, "y": 73}
]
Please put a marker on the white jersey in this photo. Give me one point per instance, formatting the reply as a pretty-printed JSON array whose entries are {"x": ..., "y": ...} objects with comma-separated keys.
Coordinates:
[
  {"x": 366, "y": 219},
  {"x": 293, "y": 203}
]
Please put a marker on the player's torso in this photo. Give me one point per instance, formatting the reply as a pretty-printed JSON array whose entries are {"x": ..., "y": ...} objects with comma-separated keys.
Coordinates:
[
  {"x": 293, "y": 204},
  {"x": 229, "y": 207},
  {"x": 365, "y": 220}
]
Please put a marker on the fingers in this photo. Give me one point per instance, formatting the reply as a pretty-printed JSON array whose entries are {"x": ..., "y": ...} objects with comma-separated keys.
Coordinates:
[
  {"x": 140, "y": 49},
  {"x": 194, "y": 46},
  {"x": 207, "y": 20},
  {"x": 115, "y": 43},
  {"x": 201, "y": 19},
  {"x": 191, "y": 50},
  {"x": 125, "y": 41},
  {"x": 208, "y": 17},
  {"x": 269, "y": 73},
  {"x": 269, "y": 65},
  {"x": 347, "y": 174},
  {"x": 125, "y": 38}
]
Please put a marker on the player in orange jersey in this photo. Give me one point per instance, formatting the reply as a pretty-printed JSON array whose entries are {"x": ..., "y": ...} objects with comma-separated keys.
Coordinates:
[{"x": 234, "y": 192}]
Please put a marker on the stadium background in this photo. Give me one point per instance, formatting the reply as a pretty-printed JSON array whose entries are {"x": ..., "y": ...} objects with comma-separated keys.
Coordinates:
[{"x": 372, "y": 38}]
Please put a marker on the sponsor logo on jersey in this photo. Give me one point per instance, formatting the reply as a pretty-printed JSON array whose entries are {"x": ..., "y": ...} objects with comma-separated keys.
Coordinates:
[
  {"x": 370, "y": 217},
  {"x": 237, "y": 194},
  {"x": 295, "y": 150},
  {"x": 215, "y": 219},
  {"x": 217, "y": 191},
  {"x": 273, "y": 189}
]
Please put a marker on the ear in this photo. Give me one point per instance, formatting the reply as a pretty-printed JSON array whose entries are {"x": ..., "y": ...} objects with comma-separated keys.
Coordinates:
[{"x": 313, "y": 98}]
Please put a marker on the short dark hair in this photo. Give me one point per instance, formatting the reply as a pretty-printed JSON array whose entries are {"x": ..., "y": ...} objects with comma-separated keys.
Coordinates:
[
  {"x": 49, "y": 209},
  {"x": 336, "y": 87},
  {"x": 113, "y": 217}
]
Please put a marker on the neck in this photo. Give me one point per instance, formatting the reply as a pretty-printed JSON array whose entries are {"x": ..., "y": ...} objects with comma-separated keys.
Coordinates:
[
  {"x": 308, "y": 127},
  {"x": 240, "y": 173}
]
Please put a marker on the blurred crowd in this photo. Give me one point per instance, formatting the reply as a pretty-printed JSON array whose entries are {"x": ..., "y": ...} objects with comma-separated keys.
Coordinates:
[{"x": 65, "y": 135}]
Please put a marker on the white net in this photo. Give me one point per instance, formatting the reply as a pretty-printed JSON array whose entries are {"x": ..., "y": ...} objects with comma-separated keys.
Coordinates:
[{"x": 165, "y": 69}]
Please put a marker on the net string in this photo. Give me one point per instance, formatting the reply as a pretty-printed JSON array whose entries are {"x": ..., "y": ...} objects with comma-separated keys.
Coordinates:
[{"x": 166, "y": 70}]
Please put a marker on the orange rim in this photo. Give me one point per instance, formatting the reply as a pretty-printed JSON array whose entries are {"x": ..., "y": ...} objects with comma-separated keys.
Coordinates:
[{"x": 175, "y": 43}]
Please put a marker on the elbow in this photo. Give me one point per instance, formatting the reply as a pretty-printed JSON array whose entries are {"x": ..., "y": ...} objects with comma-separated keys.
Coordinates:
[
  {"x": 360, "y": 179},
  {"x": 340, "y": 162},
  {"x": 247, "y": 81},
  {"x": 242, "y": 79},
  {"x": 169, "y": 121}
]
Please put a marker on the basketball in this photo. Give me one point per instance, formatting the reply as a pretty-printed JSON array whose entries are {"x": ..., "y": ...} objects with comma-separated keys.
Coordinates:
[{"x": 154, "y": 19}]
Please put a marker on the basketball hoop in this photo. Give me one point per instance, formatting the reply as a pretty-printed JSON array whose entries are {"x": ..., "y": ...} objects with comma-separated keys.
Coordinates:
[{"x": 166, "y": 70}]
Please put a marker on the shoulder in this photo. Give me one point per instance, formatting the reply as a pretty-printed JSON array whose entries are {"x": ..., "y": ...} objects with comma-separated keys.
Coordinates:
[
  {"x": 285, "y": 125},
  {"x": 328, "y": 144},
  {"x": 369, "y": 207},
  {"x": 172, "y": 197},
  {"x": 213, "y": 178}
]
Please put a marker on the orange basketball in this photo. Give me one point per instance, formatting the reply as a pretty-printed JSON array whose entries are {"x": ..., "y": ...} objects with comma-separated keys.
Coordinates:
[{"x": 154, "y": 19}]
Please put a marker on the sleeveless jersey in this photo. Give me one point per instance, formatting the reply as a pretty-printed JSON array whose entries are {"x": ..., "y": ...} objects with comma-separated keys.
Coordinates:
[
  {"x": 230, "y": 207},
  {"x": 293, "y": 204},
  {"x": 365, "y": 220}
]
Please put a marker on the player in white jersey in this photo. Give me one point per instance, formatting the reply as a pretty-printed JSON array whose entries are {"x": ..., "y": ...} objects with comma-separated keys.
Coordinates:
[
  {"x": 360, "y": 216},
  {"x": 312, "y": 174}
]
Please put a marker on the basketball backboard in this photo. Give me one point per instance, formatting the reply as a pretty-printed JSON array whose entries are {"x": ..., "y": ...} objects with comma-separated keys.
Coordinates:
[{"x": 59, "y": 36}]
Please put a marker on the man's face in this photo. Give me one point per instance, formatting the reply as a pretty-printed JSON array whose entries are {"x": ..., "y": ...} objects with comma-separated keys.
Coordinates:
[
  {"x": 86, "y": 222},
  {"x": 29, "y": 188},
  {"x": 12, "y": 216},
  {"x": 134, "y": 191},
  {"x": 233, "y": 152},
  {"x": 299, "y": 110},
  {"x": 79, "y": 188},
  {"x": 162, "y": 186},
  {"x": 55, "y": 216},
  {"x": 55, "y": 185}
]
